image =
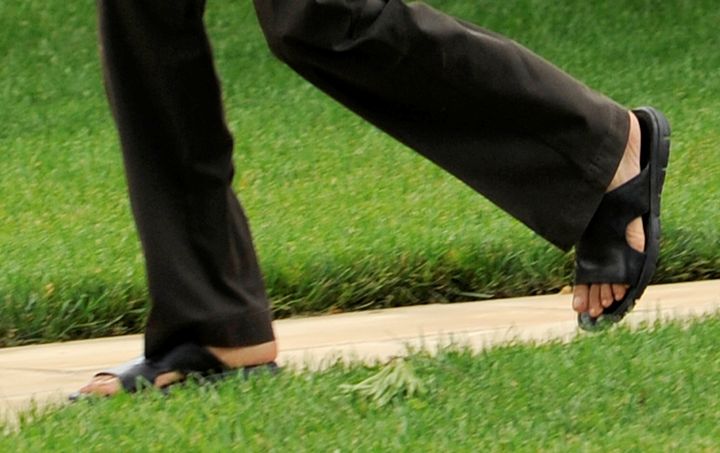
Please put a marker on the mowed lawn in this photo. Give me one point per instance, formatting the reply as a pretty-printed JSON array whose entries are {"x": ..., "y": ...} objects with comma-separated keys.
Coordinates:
[
  {"x": 653, "y": 389},
  {"x": 344, "y": 218}
]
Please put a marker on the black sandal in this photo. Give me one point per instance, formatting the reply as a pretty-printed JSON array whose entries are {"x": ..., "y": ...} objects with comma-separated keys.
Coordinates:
[
  {"x": 603, "y": 254},
  {"x": 188, "y": 359}
]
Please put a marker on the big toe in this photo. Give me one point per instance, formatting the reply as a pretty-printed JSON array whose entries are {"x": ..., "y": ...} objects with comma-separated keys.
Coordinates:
[{"x": 580, "y": 298}]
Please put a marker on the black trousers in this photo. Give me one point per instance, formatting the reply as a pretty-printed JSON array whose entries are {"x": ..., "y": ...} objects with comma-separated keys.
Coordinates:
[{"x": 518, "y": 130}]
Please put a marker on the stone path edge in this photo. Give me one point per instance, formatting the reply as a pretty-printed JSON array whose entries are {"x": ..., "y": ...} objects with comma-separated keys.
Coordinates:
[{"x": 47, "y": 373}]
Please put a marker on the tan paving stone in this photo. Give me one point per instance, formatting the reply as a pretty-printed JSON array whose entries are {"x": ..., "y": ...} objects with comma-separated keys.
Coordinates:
[{"x": 49, "y": 372}]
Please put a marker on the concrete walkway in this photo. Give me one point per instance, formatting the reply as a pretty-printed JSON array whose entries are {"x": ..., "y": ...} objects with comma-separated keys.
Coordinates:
[{"x": 49, "y": 372}]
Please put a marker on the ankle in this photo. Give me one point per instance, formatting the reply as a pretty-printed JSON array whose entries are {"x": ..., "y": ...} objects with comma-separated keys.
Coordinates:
[
  {"x": 629, "y": 166},
  {"x": 236, "y": 357}
]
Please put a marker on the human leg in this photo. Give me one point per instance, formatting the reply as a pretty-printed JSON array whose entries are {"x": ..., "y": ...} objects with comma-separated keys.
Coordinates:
[
  {"x": 205, "y": 283},
  {"x": 527, "y": 136},
  {"x": 536, "y": 142}
]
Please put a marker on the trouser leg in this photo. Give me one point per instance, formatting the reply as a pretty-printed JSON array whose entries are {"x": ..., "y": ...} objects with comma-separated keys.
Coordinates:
[
  {"x": 204, "y": 280},
  {"x": 536, "y": 142}
]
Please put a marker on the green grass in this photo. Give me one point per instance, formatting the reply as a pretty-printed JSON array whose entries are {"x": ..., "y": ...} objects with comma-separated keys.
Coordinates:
[
  {"x": 653, "y": 389},
  {"x": 344, "y": 218}
]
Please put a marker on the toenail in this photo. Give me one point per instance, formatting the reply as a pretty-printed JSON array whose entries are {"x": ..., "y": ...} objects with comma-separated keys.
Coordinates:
[{"x": 577, "y": 302}]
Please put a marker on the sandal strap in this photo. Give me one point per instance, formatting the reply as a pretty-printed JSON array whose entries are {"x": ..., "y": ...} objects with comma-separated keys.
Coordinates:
[
  {"x": 603, "y": 254},
  {"x": 141, "y": 375},
  {"x": 135, "y": 373},
  {"x": 187, "y": 359}
]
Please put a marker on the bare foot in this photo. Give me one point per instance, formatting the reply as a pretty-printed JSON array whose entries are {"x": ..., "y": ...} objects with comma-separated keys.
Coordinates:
[
  {"x": 596, "y": 297},
  {"x": 106, "y": 385}
]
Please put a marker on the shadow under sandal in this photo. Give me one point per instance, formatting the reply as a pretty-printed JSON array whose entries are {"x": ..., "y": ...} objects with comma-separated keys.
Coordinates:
[
  {"x": 603, "y": 254},
  {"x": 189, "y": 359}
]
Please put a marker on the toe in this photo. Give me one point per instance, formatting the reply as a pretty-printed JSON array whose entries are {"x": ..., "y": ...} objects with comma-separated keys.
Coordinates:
[
  {"x": 594, "y": 305},
  {"x": 102, "y": 386},
  {"x": 606, "y": 295},
  {"x": 580, "y": 298},
  {"x": 619, "y": 291}
]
